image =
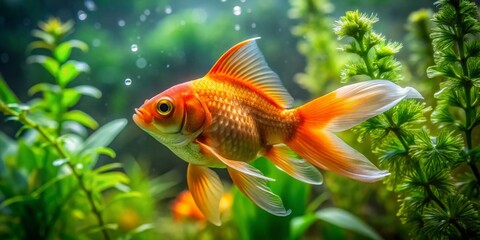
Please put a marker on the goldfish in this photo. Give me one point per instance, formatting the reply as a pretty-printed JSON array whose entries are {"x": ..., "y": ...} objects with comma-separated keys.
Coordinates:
[{"x": 240, "y": 111}]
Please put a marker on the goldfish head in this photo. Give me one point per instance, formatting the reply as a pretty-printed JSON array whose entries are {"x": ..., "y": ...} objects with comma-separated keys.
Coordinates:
[{"x": 174, "y": 117}]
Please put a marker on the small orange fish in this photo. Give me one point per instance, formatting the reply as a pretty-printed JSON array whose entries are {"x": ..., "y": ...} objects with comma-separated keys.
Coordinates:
[{"x": 240, "y": 111}]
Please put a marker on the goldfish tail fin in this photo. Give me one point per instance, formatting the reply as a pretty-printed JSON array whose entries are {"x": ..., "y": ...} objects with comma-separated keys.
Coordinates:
[
  {"x": 206, "y": 189},
  {"x": 340, "y": 110}
]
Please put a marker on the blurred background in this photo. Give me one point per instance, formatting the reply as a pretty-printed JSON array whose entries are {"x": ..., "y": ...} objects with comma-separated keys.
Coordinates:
[{"x": 139, "y": 48}]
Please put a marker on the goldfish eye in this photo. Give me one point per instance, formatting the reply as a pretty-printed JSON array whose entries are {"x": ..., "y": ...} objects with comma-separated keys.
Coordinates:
[{"x": 165, "y": 107}]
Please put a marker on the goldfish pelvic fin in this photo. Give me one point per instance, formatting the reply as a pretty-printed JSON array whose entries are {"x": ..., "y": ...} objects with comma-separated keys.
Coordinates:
[
  {"x": 207, "y": 190},
  {"x": 237, "y": 165},
  {"x": 245, "y": 64},
  {"x": 338, "y": 111},
  {"x": 252, "y": 183},
  {"x": 257, "y": 191},
  {"x": 286, "y": 160}
]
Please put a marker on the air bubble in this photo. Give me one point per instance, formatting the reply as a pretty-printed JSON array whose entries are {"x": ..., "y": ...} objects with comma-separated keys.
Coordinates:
[
  {"x": 134, "y": 47},
  {"x": 121, "y": 23},
  {"x": 81, "y": 15},
  {"x": 141, "y": 63},
  {"x": 128, "y": 82},
  {"x": 237, "y": 10},
  {"x": 168, "y": 10},
  {"x": 237, "y": 27}
]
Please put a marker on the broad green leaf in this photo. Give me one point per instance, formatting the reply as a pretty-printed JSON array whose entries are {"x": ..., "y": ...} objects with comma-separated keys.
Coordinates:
[
  {"x": 43, "y": 87},
  {"x": 102, "y": 150},
  {"x": 44, "y": 36},
  {"x": 26, "y": 157},
  {"x": 125, "y": 195},
  {"x": 50, "y": 64},
  {"x": 335, "y": 216},
  {"x": 70, "y": 97},
  {"x": 80, "y": 117},
  {"x": 6, "y": 94},
  {"x": 48, "y": 184},
  {"x": 104, "y": 135},
  {"x": 108, "y": 167},
  {"x": 142, "y": 228},
  {"x": 88, "y": 91},
  {"x": 78, "y": 44},
  {"x": 70, "y": 70},
  {"x": 39, "y": 44},
  {"x": 62, "y": 52},
  {"x": 108, "y": 180}
]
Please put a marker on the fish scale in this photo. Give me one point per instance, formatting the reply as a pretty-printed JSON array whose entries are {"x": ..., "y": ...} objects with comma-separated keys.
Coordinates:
[{"x": 243, "y": 121}]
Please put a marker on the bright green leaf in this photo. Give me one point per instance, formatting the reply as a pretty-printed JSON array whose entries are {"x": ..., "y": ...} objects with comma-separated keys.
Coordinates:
[
  {"x": 346, "y": 220},
  {"x": 6, "y": 94},
  {"x": 78, "y": 44},
  {"x": 50, "y": 39},
  {"x": 89, "y": 91},
  {"x": 80, "y": 117},
  {"x": 62, "y": 51},
  {"x": 50, "y": 64},
  {"x": 70, "y": 70},
  {"x": 70, "y": 97},
  {"x": 43, "y": 87},
  {"x": 103, "y": 150},
  {"x": 108, "y": 167},
  {"x": 108, "y": 180},
  {"x": 335, "y": 216},
  {"x": 39, "y": 45},
  {"x": 104, "y": 135}
]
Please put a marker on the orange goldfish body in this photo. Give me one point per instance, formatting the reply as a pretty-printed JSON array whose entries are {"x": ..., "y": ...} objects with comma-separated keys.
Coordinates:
[{"x": 240, "y": 111}]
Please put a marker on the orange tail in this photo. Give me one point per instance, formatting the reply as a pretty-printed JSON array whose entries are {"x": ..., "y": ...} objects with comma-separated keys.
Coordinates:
[{"x": 340, "y": 110}]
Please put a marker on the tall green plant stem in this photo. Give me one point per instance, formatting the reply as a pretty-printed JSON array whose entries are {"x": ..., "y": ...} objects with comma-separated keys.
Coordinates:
[
  {"x": 467, "y": 84},
  {"x": 61, "y": 151}
]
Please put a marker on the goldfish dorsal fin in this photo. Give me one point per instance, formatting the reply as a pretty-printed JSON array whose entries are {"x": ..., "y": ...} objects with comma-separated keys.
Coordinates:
[{"x": 244, "y": 63}]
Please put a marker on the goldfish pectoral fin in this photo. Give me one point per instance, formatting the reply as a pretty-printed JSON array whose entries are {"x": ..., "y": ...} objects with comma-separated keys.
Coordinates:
[
  {"x": 352, "y": 104},
  {"x": 285, "y": 159},
  {"x": 258, "y": 192},
  {"x": 237, "y": 165},
  {"x": 207, "y": 190},
  {"x": 327, "y": 151}
]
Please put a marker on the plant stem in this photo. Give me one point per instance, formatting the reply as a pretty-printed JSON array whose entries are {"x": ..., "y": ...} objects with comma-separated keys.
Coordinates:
[{"x": 25, "y": 120}]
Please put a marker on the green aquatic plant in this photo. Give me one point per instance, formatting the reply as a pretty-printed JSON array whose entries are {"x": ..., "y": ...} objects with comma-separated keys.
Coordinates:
[
  {"x": 317, "y": 44},
  {"x": 51, "y": 185},
  {"x": 421, "y": 163}
]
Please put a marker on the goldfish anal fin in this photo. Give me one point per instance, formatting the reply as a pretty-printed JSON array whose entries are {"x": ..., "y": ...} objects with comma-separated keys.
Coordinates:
[
  {"x": 245, "y": 64},
  {"x": 285, "y": 159},
  {"x": 207, "y": 190}
]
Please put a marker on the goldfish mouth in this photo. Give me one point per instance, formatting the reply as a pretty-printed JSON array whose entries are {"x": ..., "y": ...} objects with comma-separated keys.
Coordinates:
[{"x": 142, "y": 117}]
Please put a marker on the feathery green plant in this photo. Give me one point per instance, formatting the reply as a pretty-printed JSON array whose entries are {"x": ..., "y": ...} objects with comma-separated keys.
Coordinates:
[
  {"x": 50, "y": 186},
  {"x": 421, "y": 165},
  {"x": 457, "y": 61}
]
